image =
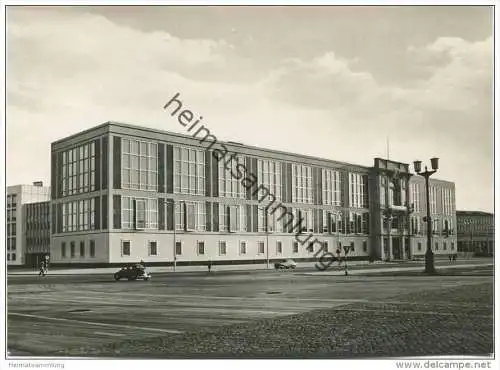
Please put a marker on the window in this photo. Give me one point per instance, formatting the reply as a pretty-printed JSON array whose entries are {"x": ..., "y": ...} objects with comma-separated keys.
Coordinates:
[
  {"x": 229, "y": 185},
  {"x": 279, "y": 248},
  {"x": 358, "y": 190},
  {"x": 222, "y": 248},
  {"x": 243, "y": 247},
  {"x": 153, "y": 248},
  {"x": 306, "y": 218},
  {"x": 78, "y": 215},
  {"x": 72, "y": 249},
  {"x": 295, "y": 247},
  {"x": 301, "y": 184},
  {"x": 82, "y": 248},
  {"x": 352, "y": 247},
  {"x": 331, "y": 187},
  {"x": 8, "y": 256},
  {"x": 325, "y": 246},
  {"x": 63, "y": 250},
  {"x": 437, "y": 246},
  {"x": 365, "y": 246},
  {"x": 13, "y": 256},
  {"x": 310, "y": 247},
  {"x": 269, "y": 176},
  {"x": 415, "y": 196},
  {"x": 178, "y": 248},
  {"x": 452, "y": 246},
  {"x": 13, "y": 244},
  {"x": 201, "y": 248},
  {"x": 190, "y": 216},
  {"x": 444, "y": 246},
  {"x": 139, "y": 165},
  {"x": 78, "y": 169},
  {"x": 260, "y": 247},
  {"x": 229, "y": 218},
  {"x": 419, "y": 246},
  {"x": 92, "y": 248},
  {"x": 146, "y": 213},
  {"x": 189, "y": 171},
  {"x": 125, "y": 247}
]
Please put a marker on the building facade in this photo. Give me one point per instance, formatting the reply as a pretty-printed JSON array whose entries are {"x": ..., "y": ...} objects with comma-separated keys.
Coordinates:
[
  {"x": 476, "y": 233},
  {"x": 18, "y": 198},
  {"x": 36, "y": 232},
  {"x": 123, "y": 193}
]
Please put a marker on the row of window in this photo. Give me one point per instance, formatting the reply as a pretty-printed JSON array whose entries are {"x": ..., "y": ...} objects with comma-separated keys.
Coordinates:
[
  {"x": 142, "y": 213},
  {"x": 82, "y": 250},
  {"x": 419, "y": 227},
  {"x": 11, "y": 243},
  {"x": 11, "y": 201},
  {"x": 242, "y": 250},
  {"x": 11, "y": 256},
  {"x": 436, "y": 246}
]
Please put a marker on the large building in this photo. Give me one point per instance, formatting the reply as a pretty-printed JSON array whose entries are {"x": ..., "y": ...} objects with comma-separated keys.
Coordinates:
[
  {"x": 19, "y": 203},
  {"x": 123, "y": 193},
  {"x": 476, "y": 233}
]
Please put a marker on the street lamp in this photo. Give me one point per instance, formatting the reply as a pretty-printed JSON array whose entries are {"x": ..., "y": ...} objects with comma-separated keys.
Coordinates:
[{"x": 429, "y": 255}]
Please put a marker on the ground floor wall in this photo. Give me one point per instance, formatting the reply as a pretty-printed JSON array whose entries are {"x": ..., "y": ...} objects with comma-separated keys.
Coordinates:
[{"x": 115, "y": 248}]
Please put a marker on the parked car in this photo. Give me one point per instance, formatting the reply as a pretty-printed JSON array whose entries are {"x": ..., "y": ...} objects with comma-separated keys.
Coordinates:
[
  {"x": 287, "y": 264},
  {"x": 137, "y": 272}
]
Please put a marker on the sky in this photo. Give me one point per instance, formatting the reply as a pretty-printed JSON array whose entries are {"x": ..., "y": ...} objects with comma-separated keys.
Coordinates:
[{"x": 332, "y": 82}]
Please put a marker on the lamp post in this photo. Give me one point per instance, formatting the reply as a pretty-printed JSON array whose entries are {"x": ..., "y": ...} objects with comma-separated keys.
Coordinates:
[
  {"x": 175, "y": 242},
  {"x": 429, "y": 255}
]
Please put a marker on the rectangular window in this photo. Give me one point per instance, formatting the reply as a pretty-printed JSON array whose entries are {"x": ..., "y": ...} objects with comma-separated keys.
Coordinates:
[
  {"x": 92, "y": 248},
  {"x": 301, "y": 184},
  {"x": 125, "y": 247},
  {"x": 72, "y": 249},
  {"x": 229, "y": 185},
  {"x": 140, "y": 214},
  {"x": 358, "y": 190},
  {"x": 325, "y": 246},
  {"x": 13, "y": 256},
  {"x": 78, "y": 169},
  {"x": 365, "y": 246},
  {"x": 452, "y": 246},
  {"x": 279, "y": 248},
  {"x": 436, "y": 245},
  {"x": 260, "y": 247},
  {"x": 190, "y": 216},
  {"x": 201, "y": 248},
  {"x": 82, "y": 248},
  {"x": 331, "y": 187},
  {"x": 243, "y": 247},
  {"x": 189, "y": 171},
  {"x": 310, "y": 247},
  {"x": 178, "y": 248},
  {"x": 63, "y": 250},
  {"x": 139, "y": 165},
  {"x": 222, "y": 248},
  {"x": 269, "y": 177},
  {"x": 419, "y": 247},
  {"x": 444, "y": 246},
  {"x": 153, "y": 248},
  {"x": 295, "y": 247}
]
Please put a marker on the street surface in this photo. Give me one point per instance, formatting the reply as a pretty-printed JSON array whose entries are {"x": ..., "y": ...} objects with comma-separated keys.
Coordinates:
[{"x": 86, "y": 315}]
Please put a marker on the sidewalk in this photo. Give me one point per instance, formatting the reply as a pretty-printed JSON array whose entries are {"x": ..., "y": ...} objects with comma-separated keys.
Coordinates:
[
  {"x": 377, "y": 266},
  {"x": 340, "y": 272}
]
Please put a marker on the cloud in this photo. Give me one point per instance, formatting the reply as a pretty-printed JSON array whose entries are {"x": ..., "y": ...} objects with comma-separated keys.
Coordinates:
[{"x": 70, "y": 72}]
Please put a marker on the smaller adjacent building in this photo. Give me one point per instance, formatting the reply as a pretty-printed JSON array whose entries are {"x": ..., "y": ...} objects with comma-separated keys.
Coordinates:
[
  {"x": 476, "y": 232},
  {"x": 18, "y": 197}
]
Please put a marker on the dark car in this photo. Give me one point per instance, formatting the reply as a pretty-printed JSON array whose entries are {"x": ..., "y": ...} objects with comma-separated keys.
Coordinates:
[
  {"x": 288, "y": 264},
  {"x": 137, "y": 272}
]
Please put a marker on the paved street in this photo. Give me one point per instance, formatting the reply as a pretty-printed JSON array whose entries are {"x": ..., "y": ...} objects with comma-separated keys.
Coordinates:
[{"x": 94, "y": 315}]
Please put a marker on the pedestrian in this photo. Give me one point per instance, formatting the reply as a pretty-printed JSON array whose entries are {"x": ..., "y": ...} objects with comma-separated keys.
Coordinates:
[{"x": 42, "y": 269}]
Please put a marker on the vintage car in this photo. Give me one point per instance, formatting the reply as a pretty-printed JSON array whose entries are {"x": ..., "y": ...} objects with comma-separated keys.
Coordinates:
[
  {"x": 137, "y": 272},
  {"x": 287, "y": 264}
]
